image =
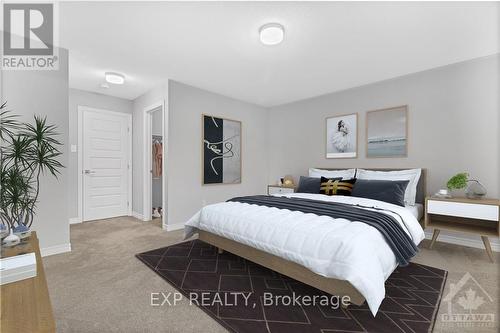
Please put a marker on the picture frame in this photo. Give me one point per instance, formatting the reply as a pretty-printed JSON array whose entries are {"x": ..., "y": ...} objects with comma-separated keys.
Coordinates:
[
  {"x": 387, "y": 132},
  {"x": 341, "y": 136},
  {"x": 221, "y": 150}
]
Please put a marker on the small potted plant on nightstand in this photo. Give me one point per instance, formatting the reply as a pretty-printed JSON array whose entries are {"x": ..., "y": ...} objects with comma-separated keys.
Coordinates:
[
  {"x": 457, "y": 182},
  {"x": 27, "y": 151},
  {"x": 475, "y": 190}
]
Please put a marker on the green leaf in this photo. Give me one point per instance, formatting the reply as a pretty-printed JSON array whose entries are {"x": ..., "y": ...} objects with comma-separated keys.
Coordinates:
[
  {"x": 458, "y": 181},
  {"x": 8, "y": 122},
  {"x": 27, "y": 151}
]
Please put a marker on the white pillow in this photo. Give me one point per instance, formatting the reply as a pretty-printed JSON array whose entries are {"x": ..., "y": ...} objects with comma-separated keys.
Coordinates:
[
  {"x": 412, "y": 175},
  {"x": 345, "y": 174}
]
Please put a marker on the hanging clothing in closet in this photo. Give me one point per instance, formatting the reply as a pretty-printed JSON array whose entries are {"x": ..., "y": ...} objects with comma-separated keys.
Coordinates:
[{"x": 157, "y": 158}]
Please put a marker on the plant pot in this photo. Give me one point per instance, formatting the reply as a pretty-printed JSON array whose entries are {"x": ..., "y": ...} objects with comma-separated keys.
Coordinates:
[
  {"x": 456, "y": 193},
  {"x": 22, "y": 231},
  {"x": 11, "y": 239},
  {"x": 4, "y": 231}
]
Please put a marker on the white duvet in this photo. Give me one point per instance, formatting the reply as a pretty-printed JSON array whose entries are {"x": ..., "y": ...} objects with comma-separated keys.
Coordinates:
[{"x": 335, "y": 248}]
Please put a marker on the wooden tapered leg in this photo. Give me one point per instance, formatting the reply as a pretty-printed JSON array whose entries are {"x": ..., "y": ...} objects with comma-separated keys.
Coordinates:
[
  {"x": 434, "y": 237},
  {"x": 487, "y": 246}
]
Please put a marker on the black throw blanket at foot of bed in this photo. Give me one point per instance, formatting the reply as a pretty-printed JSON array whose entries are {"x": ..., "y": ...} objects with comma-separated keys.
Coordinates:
[{"x": 396, "y": 237}]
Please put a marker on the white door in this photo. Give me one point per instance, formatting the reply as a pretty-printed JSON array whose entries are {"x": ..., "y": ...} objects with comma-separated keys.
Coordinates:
[{"x": 105, "y": 164}]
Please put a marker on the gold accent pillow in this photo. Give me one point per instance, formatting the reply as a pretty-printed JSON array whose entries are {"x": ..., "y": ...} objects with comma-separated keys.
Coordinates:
[{"x": 336, "y": 186}]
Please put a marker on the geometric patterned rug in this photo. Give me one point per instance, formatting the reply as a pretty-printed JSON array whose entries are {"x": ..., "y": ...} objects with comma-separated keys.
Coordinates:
[{"x": 237, "y": 293}]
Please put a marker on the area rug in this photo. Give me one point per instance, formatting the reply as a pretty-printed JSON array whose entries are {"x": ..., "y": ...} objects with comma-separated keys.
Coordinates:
[{"x": 245, "y": 297}]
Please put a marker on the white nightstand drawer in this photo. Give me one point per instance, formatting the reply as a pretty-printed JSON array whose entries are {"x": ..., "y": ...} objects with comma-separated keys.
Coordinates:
[
  {"x": 279, "y": 190},
  {"x": 467, "y": 210}
]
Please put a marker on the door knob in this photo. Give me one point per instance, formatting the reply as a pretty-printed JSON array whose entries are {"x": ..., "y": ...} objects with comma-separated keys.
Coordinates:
[{"x": 88, "y": 172}]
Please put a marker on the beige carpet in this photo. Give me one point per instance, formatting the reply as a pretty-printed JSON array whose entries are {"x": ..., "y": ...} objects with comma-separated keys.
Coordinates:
[{"x": 101, "y": 287}]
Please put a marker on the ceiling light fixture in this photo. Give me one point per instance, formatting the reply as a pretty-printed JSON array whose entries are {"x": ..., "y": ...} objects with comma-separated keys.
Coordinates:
[
  {"x": 114, "y": 78},
  {"x": 272, "y": 34}
]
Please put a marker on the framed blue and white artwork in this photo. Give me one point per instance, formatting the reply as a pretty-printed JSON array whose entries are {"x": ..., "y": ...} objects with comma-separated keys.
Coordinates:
[{"x": 387, "y": 132}]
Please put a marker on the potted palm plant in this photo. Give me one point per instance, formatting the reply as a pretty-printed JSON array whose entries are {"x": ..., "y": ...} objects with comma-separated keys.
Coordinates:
[{"x": 27, "y": 151}]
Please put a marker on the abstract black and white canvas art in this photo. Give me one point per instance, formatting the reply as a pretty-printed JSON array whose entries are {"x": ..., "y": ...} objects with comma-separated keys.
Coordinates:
[
  {"x": 342, "y": 136},
  {"x": 221, "y": 150},
  {"x": 386, "y": 132}
]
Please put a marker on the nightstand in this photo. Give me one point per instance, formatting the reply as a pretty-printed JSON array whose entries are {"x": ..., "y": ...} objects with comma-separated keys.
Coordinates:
[
  {"x": 279, "y": 189},
  {"x": 479, "y": 217}
]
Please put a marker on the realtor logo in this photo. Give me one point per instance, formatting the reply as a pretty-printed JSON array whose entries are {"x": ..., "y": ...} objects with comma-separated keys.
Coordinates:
[
  {"x": 29, "y": 36},
  {"x": 466, "y": 299}
]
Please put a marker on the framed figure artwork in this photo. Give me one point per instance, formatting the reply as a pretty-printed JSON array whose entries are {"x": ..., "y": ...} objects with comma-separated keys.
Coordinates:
[{"x": 342, "y": 136}]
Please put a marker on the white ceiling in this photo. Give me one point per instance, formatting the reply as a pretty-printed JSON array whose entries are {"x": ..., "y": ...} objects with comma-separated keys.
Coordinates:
[{"x": 215, "y": 46}]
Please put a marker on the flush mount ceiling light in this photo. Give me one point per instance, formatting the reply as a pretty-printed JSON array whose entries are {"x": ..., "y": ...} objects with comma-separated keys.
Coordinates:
[
  {"x": 272, "y": 34},
  {"x": 114, "y": 78}
]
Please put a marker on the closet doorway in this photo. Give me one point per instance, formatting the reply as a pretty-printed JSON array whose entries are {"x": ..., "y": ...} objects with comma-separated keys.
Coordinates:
[{"x": 155, "y": 143}]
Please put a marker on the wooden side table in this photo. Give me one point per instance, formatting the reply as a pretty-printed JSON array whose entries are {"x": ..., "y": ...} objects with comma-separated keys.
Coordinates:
[
  {"x": 479, "y": 217},
  {"x": 25, "y": 304}
]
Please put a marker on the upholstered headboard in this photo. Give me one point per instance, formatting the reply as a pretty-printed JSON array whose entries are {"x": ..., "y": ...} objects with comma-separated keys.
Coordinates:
[{"x": 421, "y": 186}]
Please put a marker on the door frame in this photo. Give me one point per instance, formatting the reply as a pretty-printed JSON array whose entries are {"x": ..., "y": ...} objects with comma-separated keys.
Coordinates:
[
  {"x": 81, "y": 110},
  {"x": 147, "y": 181}
]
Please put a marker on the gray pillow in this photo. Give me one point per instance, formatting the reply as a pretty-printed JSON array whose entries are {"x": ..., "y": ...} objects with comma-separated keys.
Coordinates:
[
  {"x": 391, "y": 191},
  {"x": 309, "y": 185}
]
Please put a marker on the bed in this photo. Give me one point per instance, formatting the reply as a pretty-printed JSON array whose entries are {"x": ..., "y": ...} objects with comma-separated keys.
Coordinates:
[{"x": 343, "y": 258}]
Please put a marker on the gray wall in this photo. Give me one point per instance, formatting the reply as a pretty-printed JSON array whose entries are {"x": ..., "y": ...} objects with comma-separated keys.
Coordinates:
[
  {"x": 185, "y": 104},
  {"x": 186, "y": 195},
  {"x": 45, "y": 93},
  {"x": 84, "y": 98},
  {"x": 156, "y": 125},
  {"x": 453, "y": 124}
]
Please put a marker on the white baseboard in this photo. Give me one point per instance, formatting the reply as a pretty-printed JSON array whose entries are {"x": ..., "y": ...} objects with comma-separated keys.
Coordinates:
[
  {"x": 138, "y": 216},
  {"x": 172, "y": 227},
  {"x": 56, "y": 249},
  {"x": 75, "y": 220},
  {"x": 465, "y": 241}
]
